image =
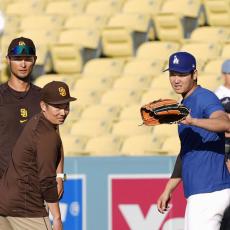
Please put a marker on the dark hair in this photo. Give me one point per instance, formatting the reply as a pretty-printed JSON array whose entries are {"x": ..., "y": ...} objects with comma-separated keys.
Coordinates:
[{"x": 225, "y": 222}]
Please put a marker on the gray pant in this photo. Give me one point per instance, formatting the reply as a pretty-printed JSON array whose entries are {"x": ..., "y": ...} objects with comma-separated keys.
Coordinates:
[{"x": 24, "y": 223}]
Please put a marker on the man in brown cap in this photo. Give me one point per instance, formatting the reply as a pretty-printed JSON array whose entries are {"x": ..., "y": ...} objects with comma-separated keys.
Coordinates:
[
  {"x": 30, "y": 179},
  {"x": 19, "y": 100}
]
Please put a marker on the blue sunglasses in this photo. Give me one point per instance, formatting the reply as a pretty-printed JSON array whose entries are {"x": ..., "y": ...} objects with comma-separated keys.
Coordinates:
[{"x": 22, "y": 50}]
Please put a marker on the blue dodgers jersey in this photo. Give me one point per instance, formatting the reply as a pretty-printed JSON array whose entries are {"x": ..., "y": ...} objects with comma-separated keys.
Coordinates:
[{"x": 202, "y": 151}]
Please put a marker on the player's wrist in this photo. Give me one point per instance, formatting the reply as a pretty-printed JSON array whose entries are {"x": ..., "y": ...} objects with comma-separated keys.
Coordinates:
[{"x": 61, "y": 176}]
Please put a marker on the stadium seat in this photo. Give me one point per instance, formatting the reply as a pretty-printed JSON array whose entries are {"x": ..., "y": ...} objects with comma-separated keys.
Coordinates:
[
  {"x": 217, "y": 12},
  {"x": 209, "y": 81},
  {"x": 97, "y": 67},
  {"x": 133, "y": 82},
  {"x": 169, "y": 27},
  {"x": 106, "y": 145},
  {"x": 210, "y": 34},
  {"x": 85, "y": 21},
  {"x": 124, "y": 33},
  {"x": 126, "y": 128},
  {"x": 121, "y": 97},
  {"x": 203, "y": 51},
  {"x": 140, "y": 145},
  {"x": 46, "y": 78},
  {"x": 163, "y": 131},
  {"x": 147, "y": 7},
  {"x": 91, "y": 128},
  {"x": 88, "y": 38},
  {"x": 213, "y": 66},
  {"x": 104, "y": 7},
  {"x": 41, "y": 21},
  {"x": 139, "y": 66},
  {"x": 99, "y": 111},
  {"x": 102, "y": 83},
  {"x": 225, "y": 51},
  {"x": 161, "y": 82},
  {"x": 87, "y": 96},
  {"x": 131, "y": 112},
  {"x": 67, "y": 59},
  {"x": 158, "y": 93},
  {"x": 157, "y": 50},
  {"x": 24, "y": 8},
  {"x": 64, "y": 8},
  {"x": 74, "y": 48},
  {"x": 177, "y": 19},
  {"x": 73, "y": 145},
  {"x": 171, "y": 146},
  {"x": 188, "y": 8},
  {"x": 11, "y": 25},
  {"x": 150, "y": 7}
]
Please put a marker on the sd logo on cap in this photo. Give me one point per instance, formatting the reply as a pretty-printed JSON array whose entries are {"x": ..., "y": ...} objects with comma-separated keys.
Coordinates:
[{"x": 56, "y": 93}]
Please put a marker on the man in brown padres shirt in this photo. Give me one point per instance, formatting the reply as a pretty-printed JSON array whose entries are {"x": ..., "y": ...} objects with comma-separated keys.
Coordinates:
[
  {"x": 19, "y": 100},
  {"x": 30, "y": 179}
]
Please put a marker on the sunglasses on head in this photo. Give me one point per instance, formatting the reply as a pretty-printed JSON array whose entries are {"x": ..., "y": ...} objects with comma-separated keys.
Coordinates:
[{"x": 22, "y": 50}]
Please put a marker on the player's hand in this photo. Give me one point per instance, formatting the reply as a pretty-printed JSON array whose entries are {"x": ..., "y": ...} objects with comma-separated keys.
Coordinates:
[
  {"x": 57, "y": 224},
  {"x": 162, "y": 202},
  {"x": 60, "y": 187},
  {"x": 188, "y": 120}
]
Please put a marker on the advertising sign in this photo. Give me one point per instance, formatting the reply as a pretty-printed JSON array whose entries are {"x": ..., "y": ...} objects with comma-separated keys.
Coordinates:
[
  {"x": 133, "y": 203},
  {"x": 73, "y": 203}
]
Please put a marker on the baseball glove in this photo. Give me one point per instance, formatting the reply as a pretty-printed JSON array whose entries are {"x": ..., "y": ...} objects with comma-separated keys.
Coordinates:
[{"x": 163, "y": 111}]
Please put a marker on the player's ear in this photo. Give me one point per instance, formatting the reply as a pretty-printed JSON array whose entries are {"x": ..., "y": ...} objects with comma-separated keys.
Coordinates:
[
  {"x": 43, "y": 106},
  {"x": 8, "y": 59},
  {"x": 194, "y": 75}
]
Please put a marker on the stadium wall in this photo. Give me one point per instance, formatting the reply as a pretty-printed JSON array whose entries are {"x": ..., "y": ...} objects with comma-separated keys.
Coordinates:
[{"x": 119, "y": 193}]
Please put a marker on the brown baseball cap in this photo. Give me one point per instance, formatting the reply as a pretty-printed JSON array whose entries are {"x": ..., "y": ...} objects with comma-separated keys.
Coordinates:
[
  {"x": 56, "y": 93},
  {"x": 21, "y": 47}
]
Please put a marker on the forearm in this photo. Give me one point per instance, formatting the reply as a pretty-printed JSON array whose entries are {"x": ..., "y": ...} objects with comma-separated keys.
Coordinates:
[
  {"x": 55, "y": 210},
  {"x": 212, "y": 124},
  {"x": 171, "y": 185},
  {"x": 217, "y": 122}
]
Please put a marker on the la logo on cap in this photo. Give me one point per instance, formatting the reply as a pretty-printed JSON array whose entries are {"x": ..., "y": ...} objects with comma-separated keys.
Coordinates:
[
  {"x": 175, "y": 60},
  {"x": 62, "y": 91},
  {"x": 21, "y": 43}
]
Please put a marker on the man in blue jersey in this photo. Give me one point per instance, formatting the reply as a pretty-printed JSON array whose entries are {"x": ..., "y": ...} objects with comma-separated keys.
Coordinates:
[{"x": 201, "y": 162}]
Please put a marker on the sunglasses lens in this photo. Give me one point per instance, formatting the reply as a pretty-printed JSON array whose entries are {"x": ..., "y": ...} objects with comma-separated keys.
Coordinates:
[{"x": 22, "y": 50}]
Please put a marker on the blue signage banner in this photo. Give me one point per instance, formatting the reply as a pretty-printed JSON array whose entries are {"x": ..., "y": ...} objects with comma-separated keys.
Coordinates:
[{"x": 73, "y": 203}]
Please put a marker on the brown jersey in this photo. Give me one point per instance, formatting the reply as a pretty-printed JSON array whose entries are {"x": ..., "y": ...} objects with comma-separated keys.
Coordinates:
[
  {"x": 16, "y": 108},
  {"x": 30, "y": 178}
]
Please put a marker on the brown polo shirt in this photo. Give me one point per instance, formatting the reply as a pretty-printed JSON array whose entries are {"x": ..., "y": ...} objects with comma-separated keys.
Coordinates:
[
  {"x": 31, "y": 176},
  {"x": 16, "y": 108}
]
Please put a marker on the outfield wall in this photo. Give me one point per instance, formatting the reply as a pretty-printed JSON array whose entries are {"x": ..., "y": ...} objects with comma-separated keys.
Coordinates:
[{"x": 119, "y": 193}]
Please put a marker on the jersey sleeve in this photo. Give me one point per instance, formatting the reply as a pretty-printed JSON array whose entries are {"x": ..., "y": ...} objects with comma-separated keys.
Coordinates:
[
  {"x": 210, "y": 104},
  {"x": 48, "y": 150}
]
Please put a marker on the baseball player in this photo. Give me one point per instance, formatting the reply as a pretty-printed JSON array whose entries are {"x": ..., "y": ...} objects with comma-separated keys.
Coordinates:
[
  {"x": 200, "y": 164},
  {"x": 30, "y": 179},
  {"x": 223, "y": 93},
  {"x": 19, "y": 100},
  {"x": 224, "y": 90}
]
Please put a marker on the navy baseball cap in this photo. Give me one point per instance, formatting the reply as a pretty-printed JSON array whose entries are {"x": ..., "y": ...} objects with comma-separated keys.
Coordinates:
[{"x": 182, "y": 62}]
